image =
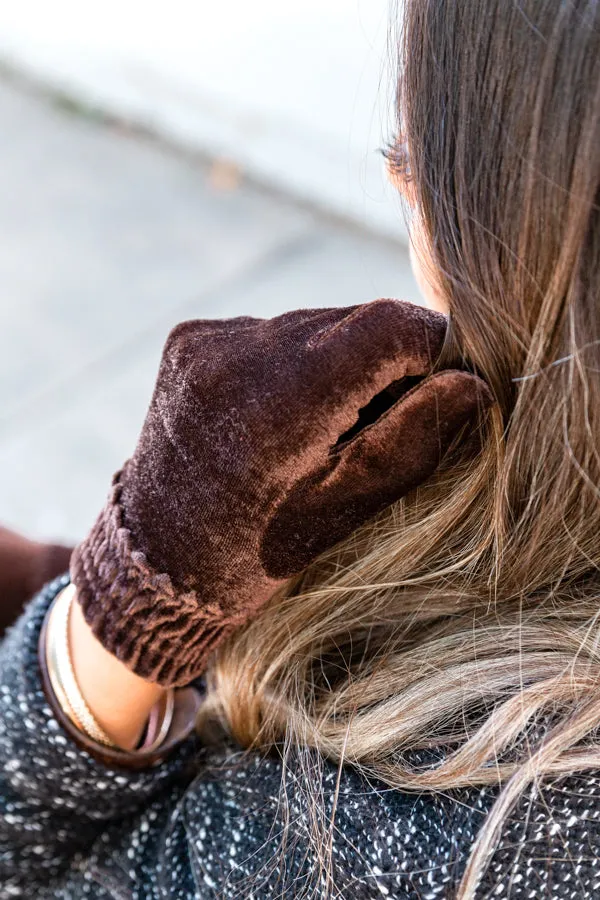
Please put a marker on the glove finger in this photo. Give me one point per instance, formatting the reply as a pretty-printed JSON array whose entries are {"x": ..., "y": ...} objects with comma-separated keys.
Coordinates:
[
  {"x": 249, "y": 350},
  {"x": 373, "y": 470},
  {"x": 191, "y": 335},
  {"x": 379, "y": 343},
  {"x": 306, "y": 325}
]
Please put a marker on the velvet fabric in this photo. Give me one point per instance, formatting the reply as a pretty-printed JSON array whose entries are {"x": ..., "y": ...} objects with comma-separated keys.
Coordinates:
[
  {"x": 25, "y": 567},
  {"x": 266, "y": 443}
]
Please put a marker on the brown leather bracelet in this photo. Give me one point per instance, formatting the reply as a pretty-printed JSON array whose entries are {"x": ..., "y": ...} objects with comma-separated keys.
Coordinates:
[{"x": 187, "y": 705}]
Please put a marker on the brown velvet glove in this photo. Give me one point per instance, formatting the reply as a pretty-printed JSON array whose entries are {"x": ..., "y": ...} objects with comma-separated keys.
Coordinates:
[
  {"x": 253, "y": 460},
  {"x": 25, "y": 567}
]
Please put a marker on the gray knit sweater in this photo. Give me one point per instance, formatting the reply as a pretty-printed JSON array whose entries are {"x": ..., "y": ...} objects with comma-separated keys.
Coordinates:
[{"x": 221, "y": 826}]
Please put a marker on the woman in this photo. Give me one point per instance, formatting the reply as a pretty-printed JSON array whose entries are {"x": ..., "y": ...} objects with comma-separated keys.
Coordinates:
[{"x": 414, "y": 713}]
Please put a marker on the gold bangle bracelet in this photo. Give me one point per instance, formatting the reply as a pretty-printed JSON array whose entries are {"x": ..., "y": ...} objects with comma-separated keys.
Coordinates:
[
  {"x": 62, "y": 676},
  {"x": 51, "y": 662}
]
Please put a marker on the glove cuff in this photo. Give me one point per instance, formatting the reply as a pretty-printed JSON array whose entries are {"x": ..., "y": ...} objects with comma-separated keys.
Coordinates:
[{"x": 161, "y": 633}]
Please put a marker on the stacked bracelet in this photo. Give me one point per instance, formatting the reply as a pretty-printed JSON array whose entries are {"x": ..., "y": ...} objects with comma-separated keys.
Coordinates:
[
  {"x": 159, "y": 723},
  {"x": 67, "y": 691},
  {"x": 62, "y": 676}
]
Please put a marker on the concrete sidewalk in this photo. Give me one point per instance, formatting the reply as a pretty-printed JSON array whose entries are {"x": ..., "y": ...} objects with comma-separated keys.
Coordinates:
[{"x": 106, "y": 241}]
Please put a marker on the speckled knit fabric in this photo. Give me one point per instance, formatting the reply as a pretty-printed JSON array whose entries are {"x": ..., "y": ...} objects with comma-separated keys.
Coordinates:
[{"x": 213, "y": 827}]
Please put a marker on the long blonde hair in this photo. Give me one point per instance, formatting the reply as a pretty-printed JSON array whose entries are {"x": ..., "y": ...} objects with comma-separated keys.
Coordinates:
[{"x": 477, "y": 598}]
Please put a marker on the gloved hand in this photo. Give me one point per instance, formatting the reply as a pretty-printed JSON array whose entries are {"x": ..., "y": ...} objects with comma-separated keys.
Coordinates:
[
  {"x": 258, "y": 453},
  {"x": 25, "y": 567}
]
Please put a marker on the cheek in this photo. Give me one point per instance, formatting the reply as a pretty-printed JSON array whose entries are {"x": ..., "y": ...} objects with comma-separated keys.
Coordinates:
[{"x": 424, "y": 271}]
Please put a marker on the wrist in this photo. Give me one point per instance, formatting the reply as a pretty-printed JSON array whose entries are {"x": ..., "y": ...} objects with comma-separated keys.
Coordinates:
[
  {"x": 100, "y": 695},
  {"x": 119, "y": 700},
  {"x": 186, "y": 706}
]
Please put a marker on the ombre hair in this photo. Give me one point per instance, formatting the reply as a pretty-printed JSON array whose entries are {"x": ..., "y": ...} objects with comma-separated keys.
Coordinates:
[{"x": 470, "y": 610}]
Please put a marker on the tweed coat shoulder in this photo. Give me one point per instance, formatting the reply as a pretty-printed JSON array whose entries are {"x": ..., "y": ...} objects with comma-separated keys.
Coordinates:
[{"x": 233, "y": 825}]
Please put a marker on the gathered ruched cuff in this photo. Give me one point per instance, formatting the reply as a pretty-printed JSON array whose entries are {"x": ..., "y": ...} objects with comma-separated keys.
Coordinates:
[{"x": 161, "y": 633}]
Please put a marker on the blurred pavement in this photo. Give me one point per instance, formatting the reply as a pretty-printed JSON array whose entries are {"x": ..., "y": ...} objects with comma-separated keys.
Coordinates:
[{"x": 106, "y": 241}]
